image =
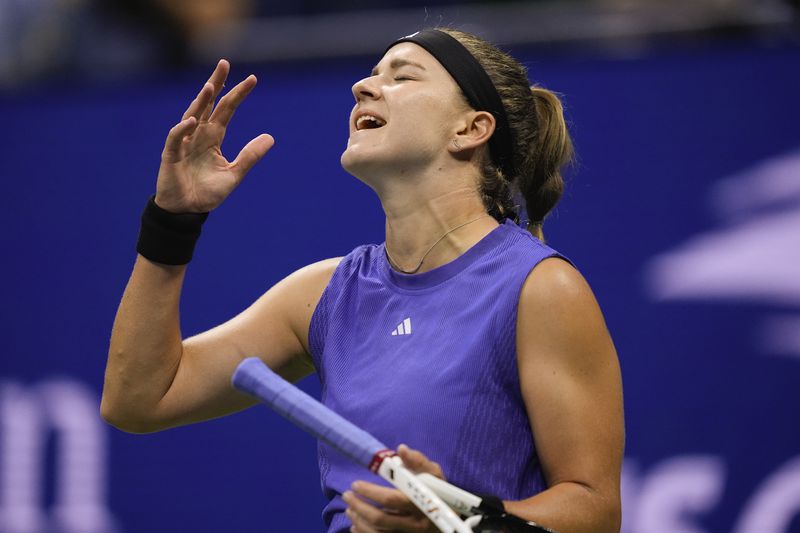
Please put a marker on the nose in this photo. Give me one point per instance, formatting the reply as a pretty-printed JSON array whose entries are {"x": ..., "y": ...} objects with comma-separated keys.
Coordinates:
[{"x": 366, "y": 88}]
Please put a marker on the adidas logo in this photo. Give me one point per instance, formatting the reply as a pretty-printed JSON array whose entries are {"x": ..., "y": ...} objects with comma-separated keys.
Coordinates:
[{"x": 403, "y": 328}]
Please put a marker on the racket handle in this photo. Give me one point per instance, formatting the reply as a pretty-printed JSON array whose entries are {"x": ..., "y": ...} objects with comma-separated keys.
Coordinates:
[{"x": 253, "y": 377}]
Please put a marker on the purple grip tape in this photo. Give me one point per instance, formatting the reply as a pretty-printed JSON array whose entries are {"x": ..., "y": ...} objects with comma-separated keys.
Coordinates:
[{"x": 255, "y": 378}]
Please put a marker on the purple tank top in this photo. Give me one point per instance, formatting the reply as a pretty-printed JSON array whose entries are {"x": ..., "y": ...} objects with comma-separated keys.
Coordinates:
[{"x": 429, "y": 360}]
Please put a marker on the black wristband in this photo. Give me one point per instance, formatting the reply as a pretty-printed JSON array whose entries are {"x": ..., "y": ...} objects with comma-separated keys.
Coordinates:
[
  {"x": 168, "y": 238},
  {"x": 491, "y": 504}
]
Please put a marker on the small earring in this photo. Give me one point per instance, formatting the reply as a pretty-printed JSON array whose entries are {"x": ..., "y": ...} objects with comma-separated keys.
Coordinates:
[{"x": 455, "y": 143}]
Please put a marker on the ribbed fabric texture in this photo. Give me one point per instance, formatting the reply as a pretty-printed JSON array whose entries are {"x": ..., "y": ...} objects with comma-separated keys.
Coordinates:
[{"x": 450, "y": 386}]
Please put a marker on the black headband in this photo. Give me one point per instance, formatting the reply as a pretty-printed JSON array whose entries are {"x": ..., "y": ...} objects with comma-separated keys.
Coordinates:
[{"x": 475, "y": 84}]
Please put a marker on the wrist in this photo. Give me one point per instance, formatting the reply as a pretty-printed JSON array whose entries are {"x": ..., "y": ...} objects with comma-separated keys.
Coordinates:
[
  {"x": 164, "y": 206},
  {"x": 166, "y": 237},
  {"x": 174, "y": 206}
]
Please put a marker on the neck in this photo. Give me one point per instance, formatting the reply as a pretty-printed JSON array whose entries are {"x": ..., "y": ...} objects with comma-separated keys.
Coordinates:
[{"x": 425, "y": 231}]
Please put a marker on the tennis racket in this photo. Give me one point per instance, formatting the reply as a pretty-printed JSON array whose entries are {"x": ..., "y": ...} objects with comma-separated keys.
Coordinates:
[{"x": 436, "y": 498}]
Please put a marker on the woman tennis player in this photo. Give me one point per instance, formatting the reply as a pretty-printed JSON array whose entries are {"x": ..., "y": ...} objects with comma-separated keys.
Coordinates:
[{"x": 462, "y": 335}]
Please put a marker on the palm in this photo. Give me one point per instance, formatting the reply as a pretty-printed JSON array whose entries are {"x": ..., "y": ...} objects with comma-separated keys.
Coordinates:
[
  {"x": 195, "y": 176},
  {"x": 200, "y": 173}
]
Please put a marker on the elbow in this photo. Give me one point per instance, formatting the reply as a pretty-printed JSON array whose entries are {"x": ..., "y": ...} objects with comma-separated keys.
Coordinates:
[
  {"x": 615, "y": 518},
  {"x": 130, "y": 403},
  {"x": 124, "y": 420},
  {"x": 612, "y": 514},
  {"x": 606, "y": 515}
]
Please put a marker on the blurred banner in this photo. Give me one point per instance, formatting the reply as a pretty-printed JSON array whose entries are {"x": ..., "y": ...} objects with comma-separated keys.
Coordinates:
[{"x": 683, "y": 213}]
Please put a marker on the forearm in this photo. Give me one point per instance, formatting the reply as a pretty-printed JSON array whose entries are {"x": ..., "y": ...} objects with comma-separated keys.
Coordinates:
[
  {"x": 146, "y": 345},
  {"x": 571, "y": 507}
]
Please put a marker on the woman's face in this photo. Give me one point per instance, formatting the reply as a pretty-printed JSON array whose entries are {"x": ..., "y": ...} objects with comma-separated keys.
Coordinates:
[{"x": 406, "y": 113}]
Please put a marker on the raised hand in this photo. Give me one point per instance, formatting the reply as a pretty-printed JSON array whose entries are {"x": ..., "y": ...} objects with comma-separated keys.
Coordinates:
[
  {"x": 194, "y": 176},
  {"x": 373, "y": 508}
]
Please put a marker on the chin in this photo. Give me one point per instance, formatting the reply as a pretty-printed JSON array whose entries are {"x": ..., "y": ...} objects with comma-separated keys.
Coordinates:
[
  {"x": 357, "y": 164},
  {"x": 347, "y": 161}
]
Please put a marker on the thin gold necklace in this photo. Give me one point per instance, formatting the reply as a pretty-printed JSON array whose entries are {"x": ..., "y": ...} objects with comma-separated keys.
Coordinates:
[{"x": 422, "y": 259}]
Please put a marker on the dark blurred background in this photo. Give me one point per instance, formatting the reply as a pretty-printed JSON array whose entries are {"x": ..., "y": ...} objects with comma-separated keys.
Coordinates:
[
  {"x": 683, "y": 212},
  {"x": 91, "y": 39}
]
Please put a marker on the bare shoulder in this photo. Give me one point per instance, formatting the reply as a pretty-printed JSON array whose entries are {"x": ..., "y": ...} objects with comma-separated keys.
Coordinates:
[
  {"x": 556, "y": 285},
  {"x": 559, "y": 318},
  {"x": 554, "y": 277}
]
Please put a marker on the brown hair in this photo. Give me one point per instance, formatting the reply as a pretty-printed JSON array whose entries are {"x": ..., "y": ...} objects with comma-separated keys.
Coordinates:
[{"x": 541, "y": 141}]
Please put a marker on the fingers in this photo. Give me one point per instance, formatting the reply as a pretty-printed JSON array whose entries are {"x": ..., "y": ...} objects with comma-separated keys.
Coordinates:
[
  {"x": 203, "y": 98},
  {"x": 367, "y": 518},
  {"x": 418, "y": 461},
  {"x": 251, "y": 154},
  {"x": 386, "y": 497},
  {"x": 227, "y": 105},
  {"x": 217, "y": 80},
  {"x": 172, "y": 146},
  {"x": 382, "y": 522},
  {"x": 201, "y": 109},
  {"x": 201, "y": 106}
]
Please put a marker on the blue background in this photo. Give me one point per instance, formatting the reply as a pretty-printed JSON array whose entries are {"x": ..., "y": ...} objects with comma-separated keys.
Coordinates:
[{"x": 654, "y": 131}]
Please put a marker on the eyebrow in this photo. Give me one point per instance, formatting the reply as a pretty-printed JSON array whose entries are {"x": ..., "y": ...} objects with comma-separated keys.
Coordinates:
[{"x": 397, "y": 63}]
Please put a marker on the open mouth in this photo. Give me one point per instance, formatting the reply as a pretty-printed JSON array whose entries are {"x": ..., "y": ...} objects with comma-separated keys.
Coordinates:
[{"x": 369, "y": 122}]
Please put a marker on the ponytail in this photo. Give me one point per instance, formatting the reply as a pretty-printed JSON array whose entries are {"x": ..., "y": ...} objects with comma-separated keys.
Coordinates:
[{"x": 543, "y": 184}]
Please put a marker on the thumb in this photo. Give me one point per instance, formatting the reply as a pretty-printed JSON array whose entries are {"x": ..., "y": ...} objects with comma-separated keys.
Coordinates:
[
  {"x": 251, "y": 154},
  {"x": 418, "y": 461}
]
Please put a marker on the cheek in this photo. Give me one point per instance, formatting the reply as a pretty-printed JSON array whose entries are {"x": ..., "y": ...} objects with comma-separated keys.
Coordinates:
[{"x": 427, "y": 118}]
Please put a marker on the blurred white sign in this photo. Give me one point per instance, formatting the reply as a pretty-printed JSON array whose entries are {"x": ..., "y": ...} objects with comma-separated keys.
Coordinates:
[
  {"x": 754, "y": 256},
  {"x": 68, "y": 412}
]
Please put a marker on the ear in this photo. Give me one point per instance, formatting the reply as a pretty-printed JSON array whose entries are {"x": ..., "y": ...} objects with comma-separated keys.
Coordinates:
[{"x": 474, "y": 132}]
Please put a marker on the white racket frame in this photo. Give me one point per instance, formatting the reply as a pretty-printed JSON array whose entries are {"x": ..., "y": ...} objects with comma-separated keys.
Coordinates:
[{"x": 421, "y": 495}]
